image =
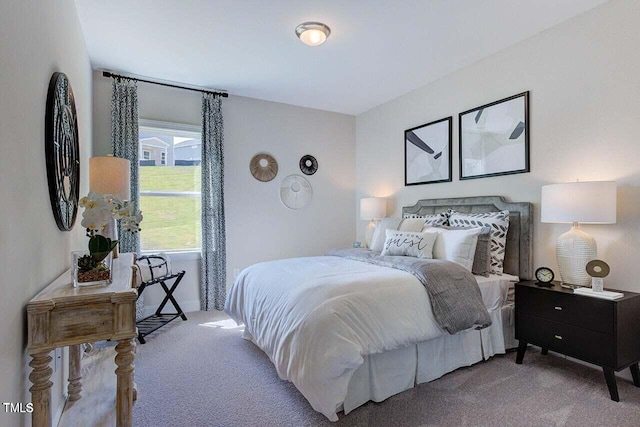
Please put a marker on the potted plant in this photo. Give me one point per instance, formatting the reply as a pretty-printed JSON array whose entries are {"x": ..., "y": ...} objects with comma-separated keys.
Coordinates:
[{"x": 101, "y": 211}]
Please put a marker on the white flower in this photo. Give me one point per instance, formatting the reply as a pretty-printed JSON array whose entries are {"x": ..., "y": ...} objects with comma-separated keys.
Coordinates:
[{"x": 100, "y": 209}]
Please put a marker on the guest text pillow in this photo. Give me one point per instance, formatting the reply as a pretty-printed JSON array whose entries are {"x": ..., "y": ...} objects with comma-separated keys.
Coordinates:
[
  {"x": 379, "y": 235},
  {"x": 499, "y": 224},
  {"x": 405, "y": 243},
  {"x": 457, "y": 246}
]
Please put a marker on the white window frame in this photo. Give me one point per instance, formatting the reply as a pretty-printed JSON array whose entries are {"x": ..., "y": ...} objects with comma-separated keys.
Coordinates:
[
  {"x": 146, "y": 155},
  {"x": 185, "y": 131}
]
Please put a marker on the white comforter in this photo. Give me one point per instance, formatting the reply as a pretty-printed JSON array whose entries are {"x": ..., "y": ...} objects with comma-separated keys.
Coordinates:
[{"x": 317, "y": 317}]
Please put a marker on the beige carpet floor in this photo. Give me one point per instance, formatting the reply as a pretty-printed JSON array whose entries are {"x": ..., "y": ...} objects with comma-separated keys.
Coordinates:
[{"x": 202, "y": 373}]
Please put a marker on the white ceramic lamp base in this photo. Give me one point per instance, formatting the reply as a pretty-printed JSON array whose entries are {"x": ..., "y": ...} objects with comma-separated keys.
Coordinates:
[
  {"x": 368, "y": 235},
  {"x": 574, "y": 250}
]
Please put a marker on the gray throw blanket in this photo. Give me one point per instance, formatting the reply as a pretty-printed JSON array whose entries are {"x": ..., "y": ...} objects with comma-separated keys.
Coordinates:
[{"x": 455, "y": 297}]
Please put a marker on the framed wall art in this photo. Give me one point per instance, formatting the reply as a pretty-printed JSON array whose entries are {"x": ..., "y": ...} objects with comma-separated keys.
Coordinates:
[
  {"x": 427, "y": 153},
  {"x": 494, "y": 138}
]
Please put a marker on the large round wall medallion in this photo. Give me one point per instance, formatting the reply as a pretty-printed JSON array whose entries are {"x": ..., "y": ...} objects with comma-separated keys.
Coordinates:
[
  {"x": 308, "y": 164},
  {"x": 263, "y": 167},
  {"x": 62, "y": 151},
  {"x": 295, "y": 192}
]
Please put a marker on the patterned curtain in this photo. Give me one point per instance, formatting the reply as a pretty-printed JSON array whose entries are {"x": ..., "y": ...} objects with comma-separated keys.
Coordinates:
[
  {"x": 213, "y": 288},
  {"x": 124, "y": 142}
]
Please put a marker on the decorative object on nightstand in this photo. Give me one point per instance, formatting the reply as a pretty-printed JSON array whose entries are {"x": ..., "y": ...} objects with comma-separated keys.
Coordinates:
[
  {"x": 574, "y": 203},
  {"x": 599, "y": 331},
  {"x": 371, "y": 209},
  {"x": 545, "y": 276},
  {"x": 598, "y": 270}
]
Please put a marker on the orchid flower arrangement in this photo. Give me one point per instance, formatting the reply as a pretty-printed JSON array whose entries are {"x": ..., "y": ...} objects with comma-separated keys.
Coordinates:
[{"x": 99, "y": 211}]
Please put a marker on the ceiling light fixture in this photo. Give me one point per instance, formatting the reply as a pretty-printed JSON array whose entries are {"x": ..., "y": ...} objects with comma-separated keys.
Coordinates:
[{"x": 313, "y": 33}]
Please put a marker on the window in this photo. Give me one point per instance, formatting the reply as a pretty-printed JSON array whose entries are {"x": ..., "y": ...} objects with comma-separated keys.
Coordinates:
[{"x": 170, "y": 190}]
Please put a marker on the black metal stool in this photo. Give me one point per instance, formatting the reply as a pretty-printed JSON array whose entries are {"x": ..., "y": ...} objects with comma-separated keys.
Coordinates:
[{"x": 157, "y": 320}]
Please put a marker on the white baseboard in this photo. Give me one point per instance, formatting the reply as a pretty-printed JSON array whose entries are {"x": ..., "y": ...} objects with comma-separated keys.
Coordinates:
[{"x": 187, "y": 306}]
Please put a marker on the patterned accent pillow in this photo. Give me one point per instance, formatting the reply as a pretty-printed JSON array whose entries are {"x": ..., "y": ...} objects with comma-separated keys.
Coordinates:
[
  {"x": 433, "y": 220},
  {"x": 499, "y": 224},
  {"x": 404, "y": 243}
]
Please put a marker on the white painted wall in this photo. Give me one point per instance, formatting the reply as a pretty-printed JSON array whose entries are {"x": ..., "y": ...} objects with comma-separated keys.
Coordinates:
[
  {"x": 584, "y": 111},
  {"x": 259, "y": 227},
  {"x": 36, "y": 39}
]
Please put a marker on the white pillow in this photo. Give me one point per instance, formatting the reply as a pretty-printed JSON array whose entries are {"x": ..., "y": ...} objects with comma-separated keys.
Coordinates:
[
  {"x": 414, "y": 225},
  {"x": 404, "y": 243},
  {"x": 379, "y": 236},
  {"x": 457, "y": 246}
]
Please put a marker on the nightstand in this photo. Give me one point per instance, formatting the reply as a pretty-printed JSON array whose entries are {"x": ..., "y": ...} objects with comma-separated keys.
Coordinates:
[{"x": 603, "y": 332}]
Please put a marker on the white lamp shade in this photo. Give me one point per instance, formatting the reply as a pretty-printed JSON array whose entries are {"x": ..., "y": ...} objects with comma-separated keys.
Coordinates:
[
  {"x": 373, "y": 208},
  {"x": 110, "y": 175},
  {"x": 585, "y": 202}
]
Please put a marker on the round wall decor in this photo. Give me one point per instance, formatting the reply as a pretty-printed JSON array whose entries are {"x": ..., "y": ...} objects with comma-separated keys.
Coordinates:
[
  {"x": 263, "y": 167},
  {"x": 308, "y": 164},
  {"x": 62, "y": 151},
  {"x": 295, "y": 192}
]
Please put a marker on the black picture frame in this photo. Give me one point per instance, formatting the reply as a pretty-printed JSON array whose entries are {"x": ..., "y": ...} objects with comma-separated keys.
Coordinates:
[
  {"x": 521, "y": 129},
  {"x": 412, "y": 139}
]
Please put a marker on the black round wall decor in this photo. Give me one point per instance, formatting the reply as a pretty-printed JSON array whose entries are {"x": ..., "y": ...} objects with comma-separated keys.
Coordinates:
[
  {"x": 308, "y": 164},
  {"x": 62, "y": 151}
]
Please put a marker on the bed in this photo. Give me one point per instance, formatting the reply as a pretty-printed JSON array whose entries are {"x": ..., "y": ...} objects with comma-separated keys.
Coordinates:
[{"x": 346, "y": 332}]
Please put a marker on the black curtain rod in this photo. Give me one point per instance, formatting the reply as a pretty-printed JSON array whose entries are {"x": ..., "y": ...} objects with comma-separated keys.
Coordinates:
[{"x": 109, "y": 74}]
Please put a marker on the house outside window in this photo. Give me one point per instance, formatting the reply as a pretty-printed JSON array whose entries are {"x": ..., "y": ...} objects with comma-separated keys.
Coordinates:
[{"x": 170, "y": 187}]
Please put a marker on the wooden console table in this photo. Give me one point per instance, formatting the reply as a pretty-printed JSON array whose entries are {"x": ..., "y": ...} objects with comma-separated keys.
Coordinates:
[{"x": 62, "y": 315}]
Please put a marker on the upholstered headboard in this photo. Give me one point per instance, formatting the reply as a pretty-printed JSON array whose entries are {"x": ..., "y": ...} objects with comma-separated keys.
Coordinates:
[{"x": 518, "y": 254}]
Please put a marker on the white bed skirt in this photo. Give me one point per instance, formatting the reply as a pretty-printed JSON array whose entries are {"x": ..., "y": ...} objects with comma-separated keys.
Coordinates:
[{"x": 385, "y": 374}]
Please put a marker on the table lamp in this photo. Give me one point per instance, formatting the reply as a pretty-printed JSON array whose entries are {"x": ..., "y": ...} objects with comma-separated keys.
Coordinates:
[
  {"x": 372, "y": 208},
  {"x": 574, "y": 203},
  {"x": 110, "y": 175}
]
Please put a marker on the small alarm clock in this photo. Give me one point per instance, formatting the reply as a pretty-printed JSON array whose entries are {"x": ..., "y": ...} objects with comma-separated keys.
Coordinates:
[{"x": 545, "y": 276}]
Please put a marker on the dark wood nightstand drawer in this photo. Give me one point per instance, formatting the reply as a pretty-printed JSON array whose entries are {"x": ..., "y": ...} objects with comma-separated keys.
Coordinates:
[
  {"x": 583, "y": 312},
  {"x": 584, "y": 344}
]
